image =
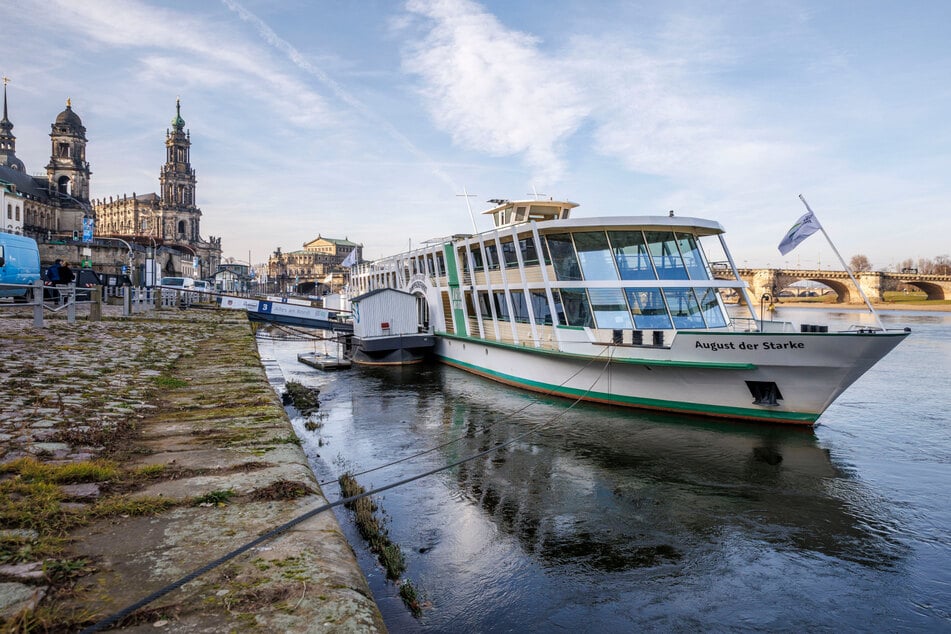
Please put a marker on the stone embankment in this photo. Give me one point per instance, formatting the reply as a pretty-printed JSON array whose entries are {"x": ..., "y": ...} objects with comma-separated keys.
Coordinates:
[{"x": 135, "y": 450}]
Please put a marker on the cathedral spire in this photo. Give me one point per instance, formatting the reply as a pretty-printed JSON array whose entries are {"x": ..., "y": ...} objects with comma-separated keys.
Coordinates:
[
  {"x": 178, "y": 123},
  {"x": 7, "y": 140},
  {"x": 6, "y": 80}
]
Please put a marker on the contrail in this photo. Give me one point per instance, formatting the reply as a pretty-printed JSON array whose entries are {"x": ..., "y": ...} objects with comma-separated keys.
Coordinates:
[{"x": 301, "y": 62}]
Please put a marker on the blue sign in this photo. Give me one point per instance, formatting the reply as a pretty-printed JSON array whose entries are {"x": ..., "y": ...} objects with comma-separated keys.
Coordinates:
[{"x": 88, "y": 225}]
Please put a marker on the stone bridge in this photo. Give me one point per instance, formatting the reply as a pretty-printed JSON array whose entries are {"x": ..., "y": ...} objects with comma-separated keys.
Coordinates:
[{"x": 873, "y": 283}]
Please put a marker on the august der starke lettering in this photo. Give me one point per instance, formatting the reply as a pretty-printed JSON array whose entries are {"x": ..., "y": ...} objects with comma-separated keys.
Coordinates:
[{"x": 766, "y": 345}]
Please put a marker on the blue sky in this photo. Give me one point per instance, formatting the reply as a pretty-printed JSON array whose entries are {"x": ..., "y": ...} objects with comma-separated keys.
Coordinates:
[{"x": 366, "y": 119}]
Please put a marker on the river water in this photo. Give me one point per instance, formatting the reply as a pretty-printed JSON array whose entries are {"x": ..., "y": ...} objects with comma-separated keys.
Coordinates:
[{"x": 612, "y": 520}]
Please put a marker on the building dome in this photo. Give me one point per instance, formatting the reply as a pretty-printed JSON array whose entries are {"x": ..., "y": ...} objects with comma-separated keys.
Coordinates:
[
  {"x": 178, "y": 123},
  {"x": 68, "y": 117}
]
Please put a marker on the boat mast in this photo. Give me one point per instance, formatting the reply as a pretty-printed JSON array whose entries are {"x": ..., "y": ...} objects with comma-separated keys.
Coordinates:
[{"x": 467, "y": 196}]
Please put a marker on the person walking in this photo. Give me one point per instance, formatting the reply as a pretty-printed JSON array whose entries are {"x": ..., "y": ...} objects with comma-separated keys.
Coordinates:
[
  {"x": 66, "y": 276},
  {"x": 52, "y": 279}
]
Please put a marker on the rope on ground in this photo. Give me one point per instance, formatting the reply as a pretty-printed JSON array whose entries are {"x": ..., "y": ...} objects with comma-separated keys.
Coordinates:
[{"x": 127, "y": 611}]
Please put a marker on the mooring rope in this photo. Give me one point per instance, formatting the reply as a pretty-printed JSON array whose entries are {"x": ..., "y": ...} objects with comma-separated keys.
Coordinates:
[{"x": 127, "y": 611}]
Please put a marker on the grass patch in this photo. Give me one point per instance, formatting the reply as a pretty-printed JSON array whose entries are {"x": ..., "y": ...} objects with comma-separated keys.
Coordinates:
[
  {"x": 216, "y": 498},
  {"x": 32, "y": 470},
  {"x": 166, "y": 382},
  {"x": 282, "y": 490},
  {"x": 371, "y": 529},
  {"x": 411, "y": 598},
  {"x": 304, "y": 399}
]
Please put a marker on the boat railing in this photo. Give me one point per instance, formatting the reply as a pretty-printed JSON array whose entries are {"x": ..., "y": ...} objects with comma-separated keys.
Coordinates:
[{"x": 748, "y": 324}]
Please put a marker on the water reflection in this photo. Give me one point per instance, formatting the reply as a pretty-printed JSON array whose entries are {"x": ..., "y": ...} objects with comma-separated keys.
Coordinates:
[{"x": 615, "y": 490}]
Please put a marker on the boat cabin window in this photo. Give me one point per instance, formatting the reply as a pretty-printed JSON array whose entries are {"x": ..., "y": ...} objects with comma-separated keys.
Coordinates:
[
  {"x": 632, "y": 256},
  {"x": 710, "y": 306},
  {"x": 693, "y": 257},
  {"x": 520, "y": 214},
  {"x": 509, "y": 255},
  {"x": 684, "y": 307},
  {"x": 666, "y": 255},
  {"x": 572, "y": 307},
  {"x": 529, "y": 252},
  {"x": 563, "y": 258},
  {"x": 648, "y": 308},
  {"x": 597, "y": 262},
  {"x": 492, "y": 257},
  {"x": 609, "y": 308}
]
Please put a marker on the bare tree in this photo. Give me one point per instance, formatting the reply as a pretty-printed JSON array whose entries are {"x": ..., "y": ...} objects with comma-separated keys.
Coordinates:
[
  {"x": 860, "y": 263},
  {"x": 942, "y": 265}
]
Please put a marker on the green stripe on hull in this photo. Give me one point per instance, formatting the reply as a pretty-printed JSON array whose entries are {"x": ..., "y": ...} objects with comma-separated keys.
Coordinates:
[{"x": 721, "y": 411}]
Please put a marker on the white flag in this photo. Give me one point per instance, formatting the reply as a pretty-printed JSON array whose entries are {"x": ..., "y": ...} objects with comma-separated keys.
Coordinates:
[
  {"x": 350, "y": 260},
  {"x": 329, "y": 278},
  {"x": 804, "y": 227}
]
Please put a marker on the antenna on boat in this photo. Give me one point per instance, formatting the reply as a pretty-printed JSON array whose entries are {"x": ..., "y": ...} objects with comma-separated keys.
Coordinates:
[
  {"x": 844, "y": 265},
  {"x": 536, "y": 194},
  {"x": 467, "y": 196}
]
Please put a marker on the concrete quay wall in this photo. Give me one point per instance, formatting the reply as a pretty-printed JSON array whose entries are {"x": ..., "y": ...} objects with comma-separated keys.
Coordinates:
[{"x": 134, "y": 451}]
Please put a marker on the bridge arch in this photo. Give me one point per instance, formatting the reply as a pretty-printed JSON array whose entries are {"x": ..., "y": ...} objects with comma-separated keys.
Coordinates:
[
  {"x": 843, "y": 290},
  {"x": 932, "y": 289}
]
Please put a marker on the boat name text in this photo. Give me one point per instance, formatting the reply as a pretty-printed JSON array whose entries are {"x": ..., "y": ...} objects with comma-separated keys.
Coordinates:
[{"x": 744, "y": 345}]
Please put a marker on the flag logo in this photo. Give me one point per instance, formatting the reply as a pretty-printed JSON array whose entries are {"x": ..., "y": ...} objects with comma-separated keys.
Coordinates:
[{"x": 804, "y": 227}]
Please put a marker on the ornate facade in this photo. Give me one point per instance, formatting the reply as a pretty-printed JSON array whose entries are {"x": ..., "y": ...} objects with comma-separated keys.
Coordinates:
[
  {"x": 314, "y": 269},
  {"x": 50, "y": 207},
  {"x": 171, "y": 219}
]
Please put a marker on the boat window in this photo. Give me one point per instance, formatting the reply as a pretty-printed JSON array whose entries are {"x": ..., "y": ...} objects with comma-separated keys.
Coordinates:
[
  {"x": 631, "y": 254},
  {"x": 470, "y": 309},
  {"x": 540, "y": 308},
  {"x": 712, "y": 312},
  {"x": 492, "y": 256},
  {"x": 501, "y": 308},
  {"x": 484, "y": 308},
  {"x": 477, "y": 258},
  {"x": 519, "y": 214},
  {"x": 693, "y": 257},
  {"x": 666, "y": 256},
  {"x": 529, "y": 253},
  {"x": 519, "y": 308},
  {"x": 440, "y": 264},
  {"x": 610, "y": 309},
  {"x": 648, "y": 308},
  {"x": 508, "y": 254},
  {"x": 572, "y": 306},
  {"x": 597, "y": 262},
  {"x": 684, "y": 307},
  {"x": 562, "y": 253}
]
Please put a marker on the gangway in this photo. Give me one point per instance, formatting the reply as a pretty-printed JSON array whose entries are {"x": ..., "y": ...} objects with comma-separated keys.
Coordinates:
[{"x": 289, "y": 314}]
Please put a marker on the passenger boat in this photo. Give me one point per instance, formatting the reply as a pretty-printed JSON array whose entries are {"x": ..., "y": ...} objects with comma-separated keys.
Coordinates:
[{"x": 620, "y": 310}]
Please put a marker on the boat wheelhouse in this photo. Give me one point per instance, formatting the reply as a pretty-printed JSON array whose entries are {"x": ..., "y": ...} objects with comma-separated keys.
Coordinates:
[{"x": 623, "y": 310}]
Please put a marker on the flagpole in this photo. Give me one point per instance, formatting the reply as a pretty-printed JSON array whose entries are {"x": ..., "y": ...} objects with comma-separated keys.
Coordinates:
[{"x": 844, "y": 265}]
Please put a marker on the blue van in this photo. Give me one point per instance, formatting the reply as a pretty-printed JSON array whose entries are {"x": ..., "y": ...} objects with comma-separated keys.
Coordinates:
[{"x": 19, "y": 264}]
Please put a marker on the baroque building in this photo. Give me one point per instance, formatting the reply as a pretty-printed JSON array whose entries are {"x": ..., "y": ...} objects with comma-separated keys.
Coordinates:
[
  {"x": 316, "y": 269},
  {"x": 170, "y": 219},
  {"x": 52, "y": 206}
]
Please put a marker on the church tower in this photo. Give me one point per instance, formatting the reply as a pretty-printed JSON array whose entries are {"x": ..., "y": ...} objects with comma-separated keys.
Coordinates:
[
  {"x": 68, "y": 171},
  {"x": 177, "y": 183},
  {"x": 8, "y": 142}
]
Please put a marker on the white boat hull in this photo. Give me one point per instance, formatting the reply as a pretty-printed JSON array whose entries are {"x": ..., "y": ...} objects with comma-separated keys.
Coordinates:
[{"x": 809, "y": 370}]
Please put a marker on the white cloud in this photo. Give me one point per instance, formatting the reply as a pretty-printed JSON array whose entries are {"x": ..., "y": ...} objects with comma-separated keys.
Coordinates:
[{"x": 491, "y": 88}]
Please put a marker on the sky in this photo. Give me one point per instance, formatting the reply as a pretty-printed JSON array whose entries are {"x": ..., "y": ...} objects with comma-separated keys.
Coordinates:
[{"x": 369, "y": 119}]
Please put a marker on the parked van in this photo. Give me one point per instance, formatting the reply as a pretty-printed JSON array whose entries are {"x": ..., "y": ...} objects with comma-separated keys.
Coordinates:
[
  {"x": 19, "y": 264},
  {"x": 179, "y": 282}
]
